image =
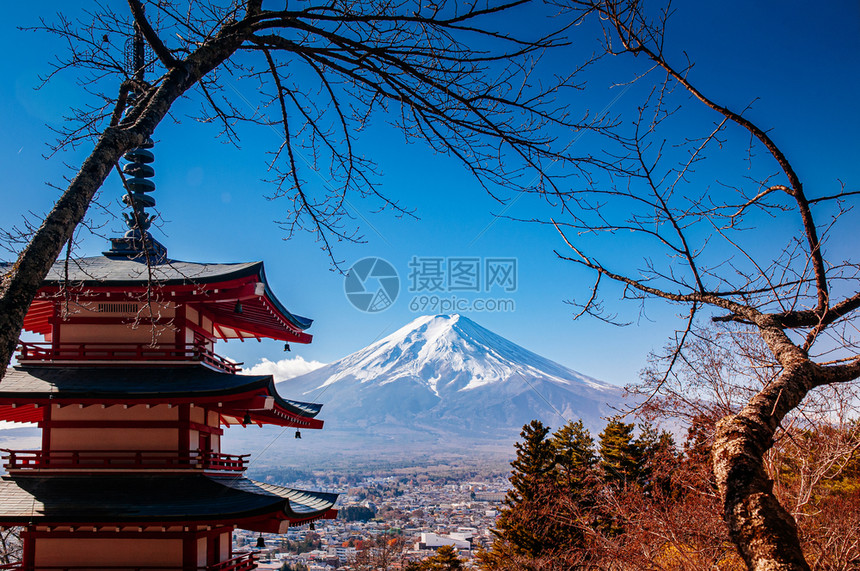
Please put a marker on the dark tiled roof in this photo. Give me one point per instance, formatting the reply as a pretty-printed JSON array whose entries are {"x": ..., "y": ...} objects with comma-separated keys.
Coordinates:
[
  {"x": 120, "y": 271},
  {"x": 123, "y": 271},
  {"x": 138, "y": 383},
  {"x": 155, "y": 498},
  {"x": 302, "y": 503}
]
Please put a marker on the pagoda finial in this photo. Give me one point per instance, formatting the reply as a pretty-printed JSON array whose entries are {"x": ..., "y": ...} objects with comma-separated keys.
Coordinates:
[
  {"x": 138, "y": 185},
  {"x": 137, "y": 241}
]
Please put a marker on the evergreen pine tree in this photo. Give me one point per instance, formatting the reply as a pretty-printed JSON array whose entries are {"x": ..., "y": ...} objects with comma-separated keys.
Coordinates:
[
  {"x": 533, "y": 464},
  {"x": 620, "y": 457},
  {"x": 574, "y": 455},
  {"x": 697, "y": 446},
  {"x": 576, "y": 486},
  {"x": 523, "y": 524},
  {"x": 658, "y": 455},
  {"x": 445, "y": 560}
]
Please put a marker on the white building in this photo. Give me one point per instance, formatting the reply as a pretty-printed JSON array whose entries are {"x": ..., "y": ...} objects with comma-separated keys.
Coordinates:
[{"x": 433, "y": 541}]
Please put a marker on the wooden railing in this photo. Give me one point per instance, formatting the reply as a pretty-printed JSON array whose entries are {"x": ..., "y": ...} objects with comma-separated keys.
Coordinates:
[
  {"x": 46, "y": 353},
  {"x": 242, "y": 562},
  {"x": 122, "y": 460}
]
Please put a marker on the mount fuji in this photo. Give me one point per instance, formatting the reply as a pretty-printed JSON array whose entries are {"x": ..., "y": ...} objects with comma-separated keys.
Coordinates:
[{"x": 446, "y": 379}]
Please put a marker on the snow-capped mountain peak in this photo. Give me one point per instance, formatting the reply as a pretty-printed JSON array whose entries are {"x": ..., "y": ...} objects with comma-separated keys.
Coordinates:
[
  {"x": 442, "y": 348},
  {"x": 447, "y": 367}
]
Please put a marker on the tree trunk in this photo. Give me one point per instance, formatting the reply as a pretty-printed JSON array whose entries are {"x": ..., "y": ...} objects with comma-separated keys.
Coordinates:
[
  {"x": 20, "y": 284},
  {"x": 764, "y": 532}
]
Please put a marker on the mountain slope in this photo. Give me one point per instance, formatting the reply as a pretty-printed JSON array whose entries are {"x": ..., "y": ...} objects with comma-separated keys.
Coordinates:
[{"x": 447, "y": 377}]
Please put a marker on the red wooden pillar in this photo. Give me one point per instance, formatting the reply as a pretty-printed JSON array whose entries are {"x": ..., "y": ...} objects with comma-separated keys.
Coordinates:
[
  {"x": 28, "y": 554},
  {"x": 179, "y": 321},
  {"x": 211, "y": 549},
  {"x": 45, "y": 425},
  {"x": 189, "y": 552},
  {"x": 55, "y": 321},
  {"x": 183, "y": 445}
]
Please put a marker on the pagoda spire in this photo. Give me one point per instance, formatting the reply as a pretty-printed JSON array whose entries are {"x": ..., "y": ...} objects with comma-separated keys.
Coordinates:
[{"x": 137, "y": 242}]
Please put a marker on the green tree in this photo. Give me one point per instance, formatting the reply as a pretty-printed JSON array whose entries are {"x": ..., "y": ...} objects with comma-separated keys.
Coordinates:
[
  {"x": 644, "y": 461},
  {"x": 446, "y": 559},
  {"x": 572, "y": 501},
  {"x": 658, "y": 454},
  {"x": 574, "y": 454},
  {"x": 620, "y": 456},
  {"x": 523, "y": 529},
  {"x": 533, "y": 465}
]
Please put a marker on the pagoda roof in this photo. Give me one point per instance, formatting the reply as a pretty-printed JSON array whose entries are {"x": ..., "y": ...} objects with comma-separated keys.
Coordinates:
[
  {"x": 217, "y": 287},
  {"x": 96, "y": 499},
  {"x": 122, "y": 271},
  {"x": 151, "y": 385}
]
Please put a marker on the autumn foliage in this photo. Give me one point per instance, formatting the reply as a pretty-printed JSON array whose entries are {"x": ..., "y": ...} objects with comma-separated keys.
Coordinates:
[{"x": 635, "y": 500}]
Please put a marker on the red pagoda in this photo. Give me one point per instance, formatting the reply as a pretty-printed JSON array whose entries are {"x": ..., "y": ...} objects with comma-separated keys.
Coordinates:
[{"x": 132, "y": 400}]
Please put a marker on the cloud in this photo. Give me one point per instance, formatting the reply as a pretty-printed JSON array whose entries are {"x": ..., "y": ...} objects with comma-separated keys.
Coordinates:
[{"x": 285, "y": 368}]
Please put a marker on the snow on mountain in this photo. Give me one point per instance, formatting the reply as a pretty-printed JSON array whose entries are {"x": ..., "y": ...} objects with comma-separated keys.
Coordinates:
[{"x": 446, "y": 374}]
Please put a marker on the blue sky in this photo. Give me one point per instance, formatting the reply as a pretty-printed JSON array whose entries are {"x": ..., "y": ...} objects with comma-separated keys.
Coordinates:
[{"x": 802, "y": 63}]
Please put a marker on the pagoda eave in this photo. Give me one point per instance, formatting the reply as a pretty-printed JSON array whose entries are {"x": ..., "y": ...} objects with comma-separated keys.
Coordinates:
[
  {"x": 223, "y": 323},
  {"x": 275, "y": 418},
  {"x": 34, "y": 413},
  {"x": 281, "y": 523},
  {"x": 157, "y": 500},
  {"x": 235, "y": 297},
  {"x": 233, "y": 397}
]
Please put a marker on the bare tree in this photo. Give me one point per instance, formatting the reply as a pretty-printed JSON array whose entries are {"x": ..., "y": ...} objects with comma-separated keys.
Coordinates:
[
  {"x": 815, "y": 455},
  {"x": 380, "y": 553},
  {"x": 702, "y": 251},
  {"x": 10, "y": 545},
  {"x": 448, "y": 74}
]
